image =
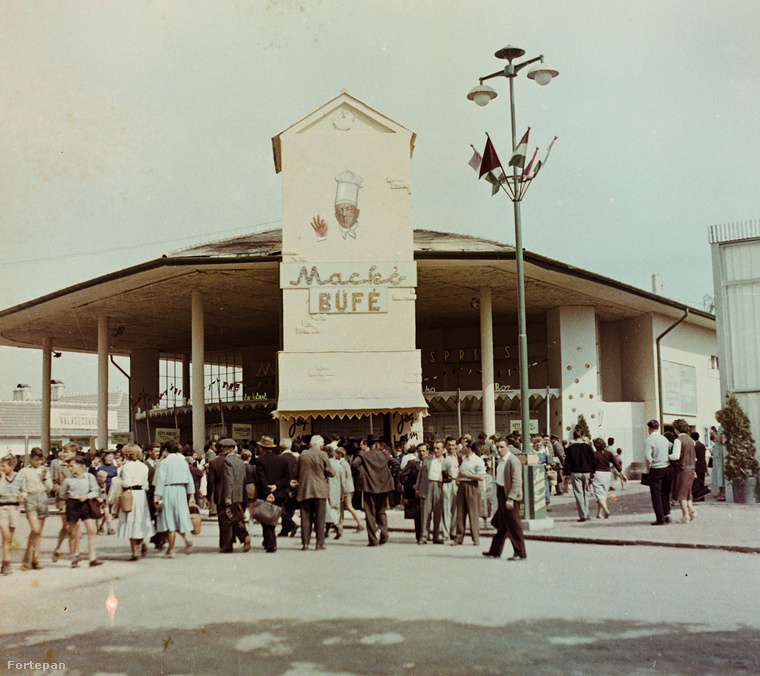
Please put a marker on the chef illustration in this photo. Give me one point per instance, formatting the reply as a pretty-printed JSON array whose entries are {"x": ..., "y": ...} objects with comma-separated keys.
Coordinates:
[{"x": 346, "y": 202}]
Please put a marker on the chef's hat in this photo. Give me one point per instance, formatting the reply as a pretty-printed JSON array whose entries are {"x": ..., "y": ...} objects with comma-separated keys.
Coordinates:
[{"x": 348, "y": 188}]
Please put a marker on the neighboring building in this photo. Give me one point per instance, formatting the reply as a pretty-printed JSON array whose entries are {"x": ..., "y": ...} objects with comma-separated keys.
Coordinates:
[
  {"x": 736, "y": 276},
  {"x": 72, "y": 417},
  {"x": 348, "y": 320}
]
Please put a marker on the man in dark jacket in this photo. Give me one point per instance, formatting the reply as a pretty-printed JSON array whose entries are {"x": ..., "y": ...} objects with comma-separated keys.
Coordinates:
[
  {"x": 376, "y": 469},
  {"x": 698, "y": 488},
  {"x": 579, "y": 466},
  {"x": 272, "y": 485},
  {"x": 231, "y": 492}
]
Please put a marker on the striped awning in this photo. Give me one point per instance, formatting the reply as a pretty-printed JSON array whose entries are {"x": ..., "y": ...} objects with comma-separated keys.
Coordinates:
[{"x": 471, "y": 400}]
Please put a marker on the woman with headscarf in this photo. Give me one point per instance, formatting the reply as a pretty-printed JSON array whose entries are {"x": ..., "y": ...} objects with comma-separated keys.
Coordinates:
[
  {"x": 174, "y": 484},
  {"x": 135, "y": 524}
]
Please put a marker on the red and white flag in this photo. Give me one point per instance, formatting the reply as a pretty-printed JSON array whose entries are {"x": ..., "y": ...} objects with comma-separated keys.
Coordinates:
[
  {"x": 526, "y": 171},
  {"x": 490, "y": 159},
  {"x": 518, "y": 157},
  {"x": 476, "y": 159}
]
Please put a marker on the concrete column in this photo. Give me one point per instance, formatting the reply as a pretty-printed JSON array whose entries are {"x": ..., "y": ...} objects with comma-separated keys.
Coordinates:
[
  {"x": 185, "y": 378},
  {"x": 198, "y": 356},
  {"x": 102, "y": 382},
  {"x": 486, "y": 360},
  {"x": 47, "y": 375}
]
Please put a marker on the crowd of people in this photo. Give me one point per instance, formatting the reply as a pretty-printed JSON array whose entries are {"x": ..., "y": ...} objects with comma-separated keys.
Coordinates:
[{"x": 157, "y": 491}]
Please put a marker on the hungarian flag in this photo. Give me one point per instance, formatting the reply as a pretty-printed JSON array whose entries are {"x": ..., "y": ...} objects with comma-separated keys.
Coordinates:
[
  {"x": 540, "y": 163},
  {"x": 495, "y": 181},
  {"x": 526, "y": 171},
  {"x": 490, "y": 159},
  {"x": 518, "y": 157}
]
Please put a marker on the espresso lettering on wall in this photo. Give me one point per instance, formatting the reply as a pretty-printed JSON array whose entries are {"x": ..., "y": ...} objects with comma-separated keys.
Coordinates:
[{"x": 467, "y": 354}]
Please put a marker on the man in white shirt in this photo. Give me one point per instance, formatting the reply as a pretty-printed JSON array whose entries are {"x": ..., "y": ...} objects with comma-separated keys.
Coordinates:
[
  {"x": 471, "y": 472},
  {"x": 656, "y": 448},
  {"x": 509, "y": 494},
  {"x": 429, "y": 489}
]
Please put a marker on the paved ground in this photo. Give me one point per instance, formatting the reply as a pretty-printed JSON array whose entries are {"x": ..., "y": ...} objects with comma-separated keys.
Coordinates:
[{"x": 401, "y": 608}]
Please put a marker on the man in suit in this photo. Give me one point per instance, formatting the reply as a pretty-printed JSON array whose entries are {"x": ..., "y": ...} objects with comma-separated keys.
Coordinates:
[
  {"x": 311, "y": 480},
  {"x": 290, "y": 505},
  {"x": 700, "y": 469},
  {"x": 409, "y": 475},
  {"x": 272, "y": 485},
  {"x": 231, "y": 492},
  {"x": 508, "y": 495},
  {"x": 579, "y": 466},
  {"x": 377, "y": 468}
]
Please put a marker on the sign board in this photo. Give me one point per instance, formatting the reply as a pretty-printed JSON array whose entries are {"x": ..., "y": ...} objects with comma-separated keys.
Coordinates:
[
  {"x": 679, "y": 388},
  {"x": 516, "y": 426},
  {"x": 356, "y": 300},
  {"x": 122, "y": 438},
  {"x": 57, "y": 442},
  {"x": 295, "y": 427},
  {"x": 163, "y": 434},
  {"x": 79, "y": 419},
  {"x": 406, "y": 425},
  {"x": 394, "y": 274},
  {"x": 83, "y": 442},
  {"x": 242, "y": 432}
]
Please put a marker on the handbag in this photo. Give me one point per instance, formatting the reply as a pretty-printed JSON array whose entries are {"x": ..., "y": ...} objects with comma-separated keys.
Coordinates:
[
  {"x": 195, "y": 517},
  {"x": 445, "y": 476},
  {"x": 645, "y": 479},
  {"x": 126, "y": 501},
  {"x": 231, "y": 515},
  {"x": 96, "y": 511},
  {"x": 266, "y": 512},
  {"x": 552, "y": 476}
]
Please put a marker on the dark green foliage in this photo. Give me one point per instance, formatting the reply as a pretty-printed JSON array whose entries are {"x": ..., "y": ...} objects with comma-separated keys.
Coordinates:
[
  {"x": 582, "y": 427},
  {"x": 740, "y": 460}
]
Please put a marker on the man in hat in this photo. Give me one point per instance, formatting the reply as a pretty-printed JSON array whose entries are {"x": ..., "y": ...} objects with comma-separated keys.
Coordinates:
[
  {"x": 231, "y": 492},
  {"x": 376, "y": 467},
  {"x": 311, "y": 479},
  {"x": 272, "y": 484},
  {"x": 347, "y": 201}
]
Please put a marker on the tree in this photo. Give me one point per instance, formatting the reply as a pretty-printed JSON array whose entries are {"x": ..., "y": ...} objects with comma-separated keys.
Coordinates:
[
  {"x": 582, "y": 427},
  {"x": 740, "y": 460}
]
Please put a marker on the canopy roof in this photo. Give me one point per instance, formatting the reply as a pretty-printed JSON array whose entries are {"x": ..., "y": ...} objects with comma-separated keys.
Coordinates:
[{"x": 239, "y": 279}]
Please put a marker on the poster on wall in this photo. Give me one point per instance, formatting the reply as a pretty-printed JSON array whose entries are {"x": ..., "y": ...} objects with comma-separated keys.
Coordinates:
[
  {"x": 122, "y": 438},
  {"x": 679, "y": 388},
  {"x": 516, "y": 426},
  {"x": 163, "y": 434},
  {"x": 242, "y": 432}
]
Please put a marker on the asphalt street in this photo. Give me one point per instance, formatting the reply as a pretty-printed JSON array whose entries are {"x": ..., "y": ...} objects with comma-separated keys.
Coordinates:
[{"x": 396, "y": 609}]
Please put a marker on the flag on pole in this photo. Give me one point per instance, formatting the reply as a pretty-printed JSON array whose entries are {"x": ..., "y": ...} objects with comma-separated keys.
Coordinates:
[
  {"x": 476, "y": 159},
  {"x": 490, "y": 159},
  {"x": 540, "y": 163},
  {"x": 494, "y": 181},
  {"x": 526, "y": 171},
  {"x": 518, "y": 157}
]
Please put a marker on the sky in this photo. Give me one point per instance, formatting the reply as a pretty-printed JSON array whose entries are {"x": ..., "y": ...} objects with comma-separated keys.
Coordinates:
[{"x": 133, "y": 129}]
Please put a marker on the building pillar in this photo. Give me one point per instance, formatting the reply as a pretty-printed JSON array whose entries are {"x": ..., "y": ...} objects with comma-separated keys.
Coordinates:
[
  {"x": 102, "y": 382},
  {"x": 198, "y": 357},
  {"x": 572, "y": 354},
  {"x": 144, "y": 387},
  {"x": 47, "y": 376},
  {"x": 486, "y": 361}
]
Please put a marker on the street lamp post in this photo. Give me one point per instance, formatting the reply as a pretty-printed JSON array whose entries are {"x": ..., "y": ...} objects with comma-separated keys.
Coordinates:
[{"x": 482, "y": 95}]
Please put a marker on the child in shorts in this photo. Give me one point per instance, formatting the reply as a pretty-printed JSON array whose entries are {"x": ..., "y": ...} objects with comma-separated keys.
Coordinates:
[
  {"x": 10, "y": 498},
  {"x": 78, "y": 489},
  {"x": 36, "y": 483}
]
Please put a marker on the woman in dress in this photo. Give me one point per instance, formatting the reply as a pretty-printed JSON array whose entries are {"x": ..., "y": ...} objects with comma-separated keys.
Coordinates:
[
  {"x": 684, "y": 456},
  {"x": 718, "y": 457},
  {"x": 174, "y": 485},
  {"x": 135, "y": 524},
  {"x": 335, "y": 487},
  {"x": 604, "y": 460}
]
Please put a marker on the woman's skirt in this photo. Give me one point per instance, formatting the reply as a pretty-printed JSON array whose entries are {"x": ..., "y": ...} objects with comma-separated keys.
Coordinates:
[
  {"x": 601, "y": 484},
  {"x": 174, "y": 514},
  {"x": 683, "y": 478},
  {"x": 136, "y": 524}
]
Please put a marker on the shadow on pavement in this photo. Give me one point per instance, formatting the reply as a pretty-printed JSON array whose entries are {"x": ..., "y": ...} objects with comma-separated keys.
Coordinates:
[{"x": 383, "y": 646}]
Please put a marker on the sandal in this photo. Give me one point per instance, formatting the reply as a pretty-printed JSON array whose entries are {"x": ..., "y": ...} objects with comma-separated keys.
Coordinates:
[{"x": 169, "y": 555}]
